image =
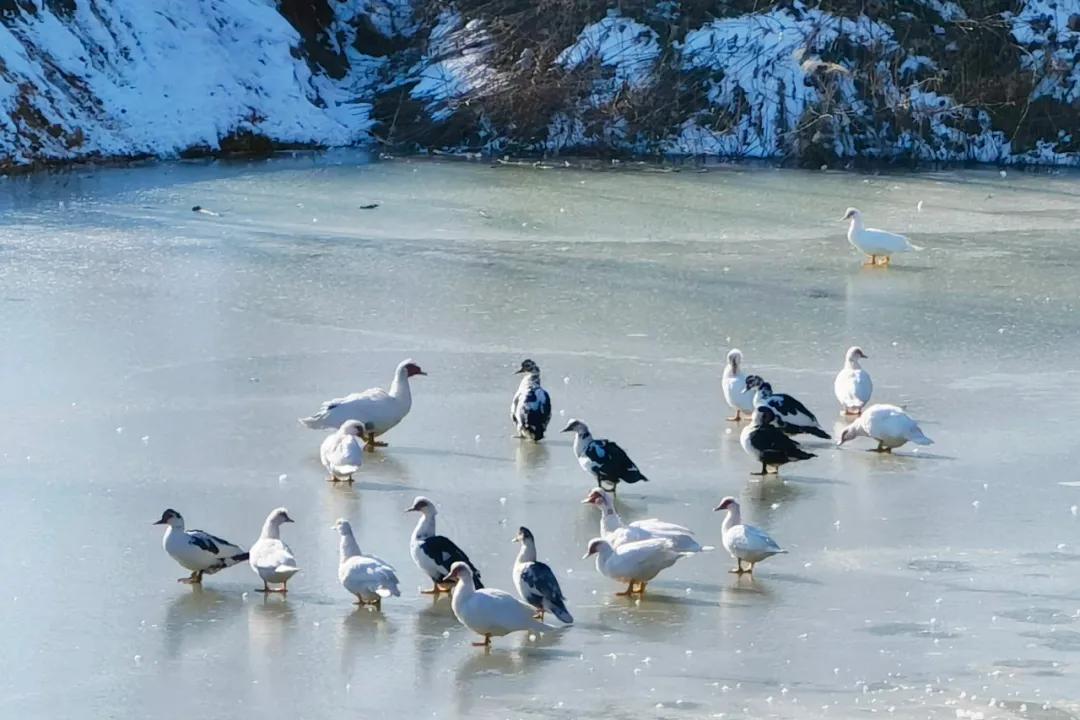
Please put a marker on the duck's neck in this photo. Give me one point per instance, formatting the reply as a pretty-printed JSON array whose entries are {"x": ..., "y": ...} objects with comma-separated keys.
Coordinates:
[
  {"x": 857, "y": 223},
  {"x": 853, "y": 363},
  {"x": 349, "y": 548},
  {"x": 603, "y": 554},
  {"x": 734, "y": 517},
  {"x": 530, "y": 380},
  {"x": 271, "y": 529},
  {"x": 527, "y": 553},
  {"x": 733, "y": 367},
  {"x": 581, "y": 440},
  {"x": 425, "y": 528},
  {"x": 464, "y": 589},
  {"x": 609, "y": 518},
  {"x": 399, "y": 388}
]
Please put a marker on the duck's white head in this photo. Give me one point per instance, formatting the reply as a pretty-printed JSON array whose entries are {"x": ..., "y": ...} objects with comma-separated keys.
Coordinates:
[
  {"x": 171, "y": 518},
  {"x": 855, "y": 353},
  {"x": 460, "y": 571},
  {"x": 528, "y": 367},
  {"x": 850, "y": 432},
  {"x": 576, "y": 426},
  {"x": 595, "y": 545},
  {"x": 342, "y": 526},
  {"x": 597, "y": 497},
  {"x": 421, "y": 504},
  {"x": 353, "y": 427},
  {"x": 410, "y": 368},
  {"x": 852, "y": 214},
  {"x": 734, "y": 358},
  {"x": 278, "y": 516},
  {"x": 728, "y": 503}
]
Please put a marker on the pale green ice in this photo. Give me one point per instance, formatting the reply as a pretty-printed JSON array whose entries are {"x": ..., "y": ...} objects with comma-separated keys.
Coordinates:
[{"x": 154, "y": 357}]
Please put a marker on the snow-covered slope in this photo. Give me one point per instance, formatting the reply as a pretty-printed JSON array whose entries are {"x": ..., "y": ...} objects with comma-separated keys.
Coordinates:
[{"x": 118, "y": 78}]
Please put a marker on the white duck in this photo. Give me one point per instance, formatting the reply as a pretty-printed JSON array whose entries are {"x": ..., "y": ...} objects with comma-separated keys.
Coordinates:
[
  {"x": 853, "y": 385},
  {"x": 734, "y": 386},
  {"x": 378, "y": 409},
  {"x": 634, "y": 562},
  {"x": 197, "y": 551},
  {"x": 889, "y": 425},
  {"x": 270, "y": 558},
  {"x": 342, "y": 452},
  {"x": 616, "y": 532},
  {"x": 745, "y": 543},
  {"x": 488, "y": 612},
  {"x": 873, "y": 242},
  {"x": 365, "y": 576}
]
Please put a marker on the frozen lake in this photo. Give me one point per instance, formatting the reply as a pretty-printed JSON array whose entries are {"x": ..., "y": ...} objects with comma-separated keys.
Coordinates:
[{"x": 154, "y": 357}]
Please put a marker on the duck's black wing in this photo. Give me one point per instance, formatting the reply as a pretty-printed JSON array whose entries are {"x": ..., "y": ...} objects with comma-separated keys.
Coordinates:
[
  {"x": 444, "y": 553},
  {"x": 611, "y": 464},
  {"x": 540, "y": 583},
  {"x": 776, "y": 448}
]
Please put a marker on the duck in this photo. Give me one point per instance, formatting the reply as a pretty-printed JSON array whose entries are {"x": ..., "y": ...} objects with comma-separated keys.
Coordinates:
[
  {"x": 365, "y": 576},
  {"x": 530, "y": 409},
  {"x": 435, "y": 554},
  {"x": 733, "y": 384},
  {"x": 378, "y": 409},
  {"x": 873, "y": 242},
  {"x": 195, "y": 550},
  {"x": 634, "y": 562},
  {"x": 745, "y": 543},
  {"x": 603, "y": 459},
  {"x": 270, "y": 558},
  {"x": 616, "y": 532},
  {"x": 536, "y": 583},
  {"x": 342, "y": 452},
  {"x": 790, "y": 415},
  {"x": 488, "y": 612},
  {"x": 853, "y": 385},
  {"x": 889, "y": 425},
  {"x": 768, "y": 444}
]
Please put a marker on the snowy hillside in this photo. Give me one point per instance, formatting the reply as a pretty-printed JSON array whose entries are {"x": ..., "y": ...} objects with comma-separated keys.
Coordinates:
[{"x": 816, "y": 83}]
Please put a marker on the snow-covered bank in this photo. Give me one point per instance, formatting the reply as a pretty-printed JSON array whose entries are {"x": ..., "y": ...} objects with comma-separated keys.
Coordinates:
[{"x": 924, "y": 79}]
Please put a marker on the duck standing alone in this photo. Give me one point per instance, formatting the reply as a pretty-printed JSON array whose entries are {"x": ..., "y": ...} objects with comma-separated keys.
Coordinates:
[
  {"x": 195, "y": 550},
  {"x": 733, "y": 383},
  {"x": 536, "y": 583},
  {"x": 603, "y": 459},
  {"x": 889, "y": 425},
  {"x": 873, "y": 242},
  {"x": 270, "y": 558},
  {"x": 342, "y": 452},
  {"x": 853, "y": 385},
  {"x": 745, "y": 543},
  {"x": 530, "y": 409},
  {"x": 488, "y": 612},
  {"x": 365, "y": 576},
  {"x": 378, "y": 409}
]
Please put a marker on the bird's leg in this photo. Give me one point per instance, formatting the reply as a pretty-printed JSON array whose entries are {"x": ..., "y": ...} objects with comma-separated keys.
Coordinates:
[
  {"x": 333, "y": 478},
  {"x": 485, "y": 644},
  {"x": 193, "y": 579},
  {"x": 881, "y": 447},
  {"x": 776, "y": 471},
  {"x": 641, "y": 589},
  {"x": 539, "y": 615},
  {"x": 886, "y": 259},
  {"x": 764, "y": 470},
  {"x": 435, "y": 589},
  {"x": 872, "y": 260},
  {"x": 378, "y": 603},
  {"x": 265, "y": 588},
  {"x": 369, "y": 443},
  {"x": 738, "y": 570},
  {"x": 629, "y": 590},
  {"x": 750, "y": 569},
  {"x": 737, "y": 417}
]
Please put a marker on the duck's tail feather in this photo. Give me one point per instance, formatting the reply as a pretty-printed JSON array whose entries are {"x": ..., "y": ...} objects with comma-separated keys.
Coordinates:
[
  {"x": 287, "y": 570},
  {"x": 559, "y": 610},
  {"x": 918, "y": 438},
  {"x": 314, "y": 422}
]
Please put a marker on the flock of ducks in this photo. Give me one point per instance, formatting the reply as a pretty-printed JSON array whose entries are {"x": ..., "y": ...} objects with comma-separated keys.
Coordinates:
[{"x": 631, "y": 554}]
